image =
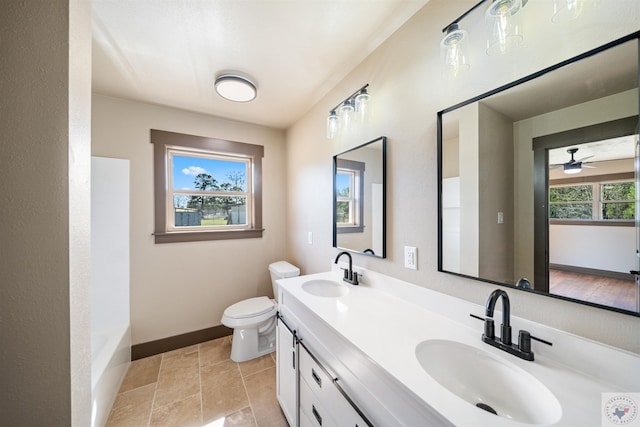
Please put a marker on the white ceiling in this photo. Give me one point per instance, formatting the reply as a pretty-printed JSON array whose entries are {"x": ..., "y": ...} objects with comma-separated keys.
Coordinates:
[
  {"x": 597, "y": 151},
  {"x": 169, "y": 52}
]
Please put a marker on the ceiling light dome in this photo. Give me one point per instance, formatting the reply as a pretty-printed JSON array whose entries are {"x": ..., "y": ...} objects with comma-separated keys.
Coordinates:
[{"x": 235, "y": 88}]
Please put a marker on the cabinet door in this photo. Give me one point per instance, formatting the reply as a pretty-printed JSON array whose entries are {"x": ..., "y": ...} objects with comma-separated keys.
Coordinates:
[{"x": 287, "y": 373}]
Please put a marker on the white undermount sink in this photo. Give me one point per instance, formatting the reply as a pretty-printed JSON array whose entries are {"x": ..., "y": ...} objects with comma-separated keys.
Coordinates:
[
  {"x": 488, "y": 382},
  {"x": 324, "y": 288}
]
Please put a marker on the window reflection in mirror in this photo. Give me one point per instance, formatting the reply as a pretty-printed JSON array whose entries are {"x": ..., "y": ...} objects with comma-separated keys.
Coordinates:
[
  {"x": 359, "y": 199},
  {"x": 509, "y": 205}
]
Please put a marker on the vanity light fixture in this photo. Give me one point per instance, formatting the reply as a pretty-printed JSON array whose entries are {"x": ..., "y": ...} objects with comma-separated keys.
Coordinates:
[
  {"x": 453, "y": 50},
  {"x": 453, "y": 46},
  {"x": 504, "y": 32},
  {"x": 332, "y": 124},
  {"x": 566, "y": 10},
  {"x": 354, "y": 108},
  {"x": 346, "y": 114},
  {"x": 235, "y": 87}
]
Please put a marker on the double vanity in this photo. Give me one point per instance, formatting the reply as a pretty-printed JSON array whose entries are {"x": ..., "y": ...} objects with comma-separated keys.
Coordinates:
[{"x": 387, "y": 353}]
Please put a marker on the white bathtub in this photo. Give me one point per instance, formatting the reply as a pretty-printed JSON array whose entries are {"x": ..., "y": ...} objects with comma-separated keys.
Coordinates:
[
  {"x": 110, "y": 358},
  {"x": 110, "y": 330}
]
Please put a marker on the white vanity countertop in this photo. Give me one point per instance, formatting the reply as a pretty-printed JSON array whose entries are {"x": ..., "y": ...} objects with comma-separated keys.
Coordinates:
[{"x": 386, "y": 319}]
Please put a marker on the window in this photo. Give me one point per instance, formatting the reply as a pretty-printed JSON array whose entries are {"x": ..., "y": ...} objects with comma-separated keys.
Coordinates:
[
  {"x": 617, "y": 200},
  {"x": 349, "y": 208},
  {"x": 571, "y": 202},
  {"x": 345, "y": 195},
  {"x": 206, "y": 189},
  {"x": 598, "y": 201}
]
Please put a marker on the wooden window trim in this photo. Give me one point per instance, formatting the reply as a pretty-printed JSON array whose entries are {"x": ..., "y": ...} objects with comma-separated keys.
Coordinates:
[
  {"x": 358, "y": 199},
  {"x": 163, "y": 139}
]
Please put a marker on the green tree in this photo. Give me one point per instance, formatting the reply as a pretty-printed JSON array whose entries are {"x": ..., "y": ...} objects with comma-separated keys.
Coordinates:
[
  {"x": 618, "y": 200},
  {"x": 236, "y": 183},
  {"x": 203, "y": 182},
  {"x": 571, "y": 202}
]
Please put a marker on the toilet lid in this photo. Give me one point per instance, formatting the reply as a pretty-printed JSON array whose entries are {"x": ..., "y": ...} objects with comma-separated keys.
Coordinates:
[{"x": 250, "y": 307}]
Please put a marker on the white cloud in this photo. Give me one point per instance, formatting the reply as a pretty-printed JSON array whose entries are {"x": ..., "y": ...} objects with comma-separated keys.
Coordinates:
[{"x": 194, "y": 170}]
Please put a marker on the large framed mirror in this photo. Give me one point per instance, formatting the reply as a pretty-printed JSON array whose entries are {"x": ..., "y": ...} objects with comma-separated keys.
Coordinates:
[
  {"x": 538, "y": 182},
  {"x": 359, "y": 199}
]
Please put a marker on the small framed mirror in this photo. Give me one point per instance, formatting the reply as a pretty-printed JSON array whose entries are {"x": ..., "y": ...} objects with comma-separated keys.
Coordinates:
[{"x": 359, "y": 199}]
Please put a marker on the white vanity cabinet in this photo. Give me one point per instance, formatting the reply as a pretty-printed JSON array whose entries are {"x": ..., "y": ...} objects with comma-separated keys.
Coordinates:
[
  {"x": 307, "y": 391},
  {"x": 321, "y": 401},
  {"x": 287, "y": 372}
]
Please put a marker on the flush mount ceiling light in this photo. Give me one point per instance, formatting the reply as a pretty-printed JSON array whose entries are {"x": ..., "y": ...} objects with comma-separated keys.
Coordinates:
[{"x": 235, "y": 88}]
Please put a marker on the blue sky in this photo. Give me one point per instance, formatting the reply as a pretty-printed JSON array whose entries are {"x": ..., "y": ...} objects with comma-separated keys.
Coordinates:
[
  {"x": 342, "y": 181},
  {"x": 185, "y": 169}
]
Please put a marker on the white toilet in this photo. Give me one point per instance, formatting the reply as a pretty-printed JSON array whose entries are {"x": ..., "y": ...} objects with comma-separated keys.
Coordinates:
[{"x": 254, "y": 320}]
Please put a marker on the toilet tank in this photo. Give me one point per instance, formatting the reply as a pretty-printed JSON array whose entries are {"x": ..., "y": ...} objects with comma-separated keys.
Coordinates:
[{"x": 281, "y": 270}]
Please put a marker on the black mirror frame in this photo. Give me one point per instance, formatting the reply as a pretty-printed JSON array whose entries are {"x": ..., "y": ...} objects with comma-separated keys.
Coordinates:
[
  {"x": 383, "y": 139},
  {"x": 630, "y": 37}
]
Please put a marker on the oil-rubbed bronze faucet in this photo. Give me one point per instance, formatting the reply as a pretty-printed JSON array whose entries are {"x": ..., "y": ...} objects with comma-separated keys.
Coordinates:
[
  {"x": 523, "y": 348},
  {"x": 505, "y": 330},
  {"x": 350, "y": 276}
]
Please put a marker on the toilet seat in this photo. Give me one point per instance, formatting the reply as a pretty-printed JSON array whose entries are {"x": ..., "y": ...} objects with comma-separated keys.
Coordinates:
[{"x": 249, "y": 311}]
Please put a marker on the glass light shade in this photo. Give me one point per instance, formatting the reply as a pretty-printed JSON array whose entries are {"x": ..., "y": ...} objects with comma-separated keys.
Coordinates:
[
  {"x": 346, "y": 115},
  {"x": 453, "y": 51},
  {"x": 235, "y": 88},
  {"x": 566, "y": 10},
  {"x": 332, "y": 125},
  {"x": 504, "y": 32},
  {"x": 571, "y": 169},
  {"x": 362, "y": 105}
]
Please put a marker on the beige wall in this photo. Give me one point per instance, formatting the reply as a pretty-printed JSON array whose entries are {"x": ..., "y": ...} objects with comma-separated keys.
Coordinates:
[
  {"x": 407, "y": 91},
  {"x": 184, "y": 287},
  {"x": 45, "y": 81},
  {"x": 496, "y": 195}
]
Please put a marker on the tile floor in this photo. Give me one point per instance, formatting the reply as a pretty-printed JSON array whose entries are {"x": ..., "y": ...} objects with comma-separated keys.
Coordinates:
[{"x": 198, "y": 386}]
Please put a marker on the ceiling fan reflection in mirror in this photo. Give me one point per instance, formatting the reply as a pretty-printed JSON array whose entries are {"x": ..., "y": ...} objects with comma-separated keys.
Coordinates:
[{"x": 573, "y": 166}]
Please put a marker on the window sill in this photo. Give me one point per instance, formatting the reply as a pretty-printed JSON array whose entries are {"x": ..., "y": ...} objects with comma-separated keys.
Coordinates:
[
  {"x": 199, "y": 236},
  {"x": 350, "y": 229},
  {"x": 602, "y": 223}
]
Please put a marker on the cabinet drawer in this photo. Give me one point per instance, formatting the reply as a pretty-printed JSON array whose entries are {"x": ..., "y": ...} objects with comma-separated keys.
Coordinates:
[
  {"x": 314, "y": 375},
  {"x": 322, "y": 386},
  {"x": 311, "y": 410}
]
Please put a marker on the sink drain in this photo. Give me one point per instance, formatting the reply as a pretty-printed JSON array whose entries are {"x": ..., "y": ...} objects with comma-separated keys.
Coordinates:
[{"x": 486, "y": 408}]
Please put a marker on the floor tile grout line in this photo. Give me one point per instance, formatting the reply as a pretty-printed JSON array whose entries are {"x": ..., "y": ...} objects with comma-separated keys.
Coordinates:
[
  {"x": 200, "y": 385},
  {"x": 155, "y": 391},
  {"x": 246, "y": 392},
  {"x": 256, "y": 372}
]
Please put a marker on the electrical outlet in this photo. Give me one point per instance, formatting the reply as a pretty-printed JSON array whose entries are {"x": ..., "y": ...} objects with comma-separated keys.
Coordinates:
[
  {"x": 411, "y": 257},
  {"x": 310, "y": 238}
]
